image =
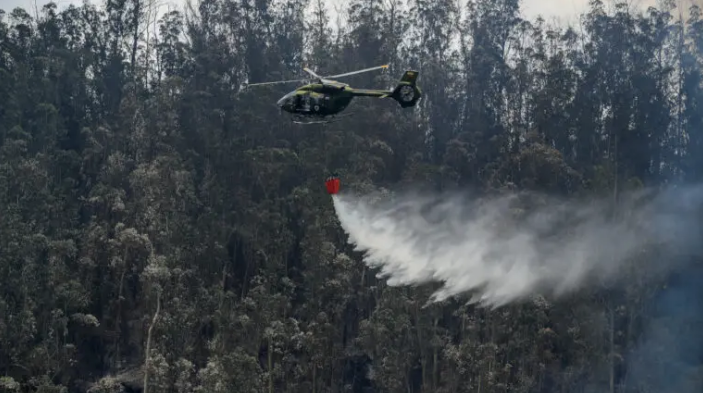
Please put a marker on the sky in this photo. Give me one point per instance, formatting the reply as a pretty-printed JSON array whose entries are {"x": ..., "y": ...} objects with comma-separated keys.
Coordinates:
[
  {"x": 559, "y": 12},
  {"x": 564, "y": 10}
]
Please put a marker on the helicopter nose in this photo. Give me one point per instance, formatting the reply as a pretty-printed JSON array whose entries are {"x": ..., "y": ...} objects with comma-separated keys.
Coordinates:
[{"x": 285, "y": 104}]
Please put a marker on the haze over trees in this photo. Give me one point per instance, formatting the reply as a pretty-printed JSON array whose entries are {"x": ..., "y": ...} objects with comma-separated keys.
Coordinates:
[{"x": 154, "y": 216}]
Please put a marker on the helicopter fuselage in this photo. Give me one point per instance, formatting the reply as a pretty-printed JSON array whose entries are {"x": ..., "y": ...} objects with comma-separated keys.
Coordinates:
[
  {"x": 316, "y": 99},
  {"x": 323, "y": 99}
]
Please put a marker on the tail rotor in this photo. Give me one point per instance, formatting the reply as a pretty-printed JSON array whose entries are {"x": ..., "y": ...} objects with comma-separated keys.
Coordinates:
[{"x": 407, "y": 93}]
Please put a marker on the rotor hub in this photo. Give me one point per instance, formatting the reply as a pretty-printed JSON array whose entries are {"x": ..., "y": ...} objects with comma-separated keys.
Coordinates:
[{"x": 407, "y": 93}]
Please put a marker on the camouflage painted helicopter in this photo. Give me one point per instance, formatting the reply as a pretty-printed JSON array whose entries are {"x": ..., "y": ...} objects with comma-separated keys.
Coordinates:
[{"x": 321, "y": 98}]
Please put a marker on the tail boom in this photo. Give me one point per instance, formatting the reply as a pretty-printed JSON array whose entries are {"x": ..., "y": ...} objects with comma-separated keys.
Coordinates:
[
  {"x": 406, "y": 92},
  {"x": 372, "y": 93}
]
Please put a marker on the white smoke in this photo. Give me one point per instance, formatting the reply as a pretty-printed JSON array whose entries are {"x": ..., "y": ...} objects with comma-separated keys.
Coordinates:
[{"x": 511, "y": 247}]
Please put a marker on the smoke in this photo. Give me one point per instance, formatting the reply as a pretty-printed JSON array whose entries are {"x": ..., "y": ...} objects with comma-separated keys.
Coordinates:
[
  {"x": 670, "y": 351},
  {"x": 501, "y": 250}
]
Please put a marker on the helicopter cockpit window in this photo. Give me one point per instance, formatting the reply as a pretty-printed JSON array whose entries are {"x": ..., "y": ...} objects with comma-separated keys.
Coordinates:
[
  {"x": 304, "y": 101},
  {"x": 288, "y": 99}
]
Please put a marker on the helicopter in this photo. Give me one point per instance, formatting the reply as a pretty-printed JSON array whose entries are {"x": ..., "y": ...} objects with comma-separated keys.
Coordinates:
[{"x": 322, "y": 98}]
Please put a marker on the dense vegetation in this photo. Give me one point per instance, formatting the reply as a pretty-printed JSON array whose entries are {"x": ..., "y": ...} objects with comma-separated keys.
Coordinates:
[{"x": 149, "y": 205}]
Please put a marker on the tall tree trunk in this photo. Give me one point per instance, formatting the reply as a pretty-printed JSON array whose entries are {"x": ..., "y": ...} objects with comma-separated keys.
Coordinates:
[{"x": 148, "y": 341}]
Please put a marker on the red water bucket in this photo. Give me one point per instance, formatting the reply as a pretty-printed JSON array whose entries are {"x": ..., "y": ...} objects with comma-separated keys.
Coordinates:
[{"x": 332, "y": 184}]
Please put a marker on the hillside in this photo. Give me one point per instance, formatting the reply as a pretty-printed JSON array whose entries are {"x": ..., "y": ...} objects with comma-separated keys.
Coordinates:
[{"x": 155, "y": 216}]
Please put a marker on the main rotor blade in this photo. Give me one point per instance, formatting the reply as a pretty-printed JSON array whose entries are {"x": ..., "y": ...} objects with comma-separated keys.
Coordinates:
[
  {"x": 275, "y": 82},
  {"x": 357, "y": 72},
  {"x": 311, "y": 72}
]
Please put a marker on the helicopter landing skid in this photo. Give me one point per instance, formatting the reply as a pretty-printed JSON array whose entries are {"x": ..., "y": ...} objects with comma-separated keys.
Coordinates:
[{"x": 330, "y": 119}]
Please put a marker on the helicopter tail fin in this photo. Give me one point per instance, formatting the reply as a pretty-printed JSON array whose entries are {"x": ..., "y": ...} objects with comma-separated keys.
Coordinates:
[{"x": 407, "y": 93}]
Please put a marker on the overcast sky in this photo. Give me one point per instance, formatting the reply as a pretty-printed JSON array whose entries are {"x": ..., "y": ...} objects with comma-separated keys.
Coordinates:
[
  {"x": 549, "y": 8},
  {"x": 563, "y": 11}
]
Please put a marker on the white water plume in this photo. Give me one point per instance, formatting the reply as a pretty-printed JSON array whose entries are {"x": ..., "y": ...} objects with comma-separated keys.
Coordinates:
[{"x": 507, "y": 248}]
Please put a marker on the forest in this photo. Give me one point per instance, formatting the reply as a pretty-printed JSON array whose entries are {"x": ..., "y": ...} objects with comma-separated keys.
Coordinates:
[{"x": 164, "y": 230}]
